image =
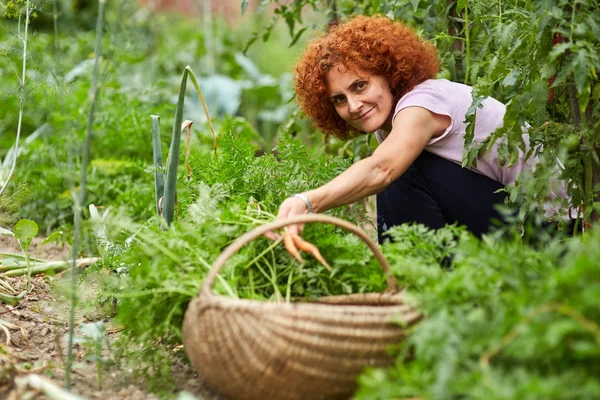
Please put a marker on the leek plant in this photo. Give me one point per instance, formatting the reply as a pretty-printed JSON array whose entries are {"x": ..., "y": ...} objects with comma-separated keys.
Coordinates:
[
  {"x": 159, "y": 176},
  {"x": 166, "y": 194}
]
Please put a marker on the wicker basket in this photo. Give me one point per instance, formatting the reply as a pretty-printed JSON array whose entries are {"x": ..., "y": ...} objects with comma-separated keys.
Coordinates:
[{"x": 251, "y": 350}]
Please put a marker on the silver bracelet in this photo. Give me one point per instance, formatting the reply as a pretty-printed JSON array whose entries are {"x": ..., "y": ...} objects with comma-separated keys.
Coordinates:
[{"x": 305, "y": 200}]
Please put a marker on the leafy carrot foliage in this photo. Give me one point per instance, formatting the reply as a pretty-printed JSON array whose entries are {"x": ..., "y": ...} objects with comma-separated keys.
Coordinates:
[
  {"x": 229, "y": 194},
  {"x": 506, "y": 321}
]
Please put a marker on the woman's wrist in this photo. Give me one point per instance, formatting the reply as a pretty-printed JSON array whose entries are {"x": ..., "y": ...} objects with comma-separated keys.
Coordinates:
[{"x": 306, "y": 201}]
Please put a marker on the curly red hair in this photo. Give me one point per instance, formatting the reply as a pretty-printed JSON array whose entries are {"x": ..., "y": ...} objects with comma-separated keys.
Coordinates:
[{"x": 374, "y": 44}]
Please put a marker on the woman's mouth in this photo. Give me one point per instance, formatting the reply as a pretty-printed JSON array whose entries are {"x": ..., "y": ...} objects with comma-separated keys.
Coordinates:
[{"x": 366, "y": 114}]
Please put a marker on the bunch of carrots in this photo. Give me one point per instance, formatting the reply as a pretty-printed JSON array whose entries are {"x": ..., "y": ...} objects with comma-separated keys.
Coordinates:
[{"x": 294, "y": 243}]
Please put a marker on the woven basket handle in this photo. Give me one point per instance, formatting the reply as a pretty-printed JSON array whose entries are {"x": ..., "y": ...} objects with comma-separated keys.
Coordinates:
[{"x": 299, "y": 219}]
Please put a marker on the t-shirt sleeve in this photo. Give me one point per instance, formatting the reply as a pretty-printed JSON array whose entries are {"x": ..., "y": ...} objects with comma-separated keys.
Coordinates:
[{"x": 431, "y": 99}]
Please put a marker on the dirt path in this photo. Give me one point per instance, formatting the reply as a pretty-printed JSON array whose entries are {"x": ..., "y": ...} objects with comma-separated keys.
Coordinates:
[{"x": 38, "y": 327}]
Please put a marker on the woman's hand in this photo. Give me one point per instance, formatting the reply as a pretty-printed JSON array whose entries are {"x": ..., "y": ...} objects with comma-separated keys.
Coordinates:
[{"x": 290, "y": 207}]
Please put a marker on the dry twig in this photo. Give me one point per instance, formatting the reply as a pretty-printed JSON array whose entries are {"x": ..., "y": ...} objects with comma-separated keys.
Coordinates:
[{"x": 8, "y": 326}]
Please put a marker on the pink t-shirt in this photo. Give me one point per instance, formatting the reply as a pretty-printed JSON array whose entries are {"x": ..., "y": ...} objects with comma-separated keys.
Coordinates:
[{"x": 453, "y": 99}]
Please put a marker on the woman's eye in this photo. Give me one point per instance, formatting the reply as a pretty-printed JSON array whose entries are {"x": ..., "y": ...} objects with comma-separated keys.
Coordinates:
[
  {"x": 338, "y": 99},
  {"x": 360, "y": 86}
]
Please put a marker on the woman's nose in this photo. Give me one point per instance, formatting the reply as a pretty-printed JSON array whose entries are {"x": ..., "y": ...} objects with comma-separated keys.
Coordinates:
[{"x": 354, "y": 104}]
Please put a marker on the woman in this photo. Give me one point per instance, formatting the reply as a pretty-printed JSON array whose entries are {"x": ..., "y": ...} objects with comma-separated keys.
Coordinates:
[{"x": 372, "y": 74}]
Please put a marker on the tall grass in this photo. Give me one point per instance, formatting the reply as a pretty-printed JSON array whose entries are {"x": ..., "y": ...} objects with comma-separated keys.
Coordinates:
[{"x": 22, "y": 93}]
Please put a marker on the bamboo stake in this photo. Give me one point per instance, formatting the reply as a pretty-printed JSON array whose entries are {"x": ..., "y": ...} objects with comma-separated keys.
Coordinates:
[{"x": 79, "y": 202}]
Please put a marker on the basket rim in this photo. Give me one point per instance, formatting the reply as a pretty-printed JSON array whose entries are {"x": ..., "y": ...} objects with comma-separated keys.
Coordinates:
[{"x": 319, "y": 310}]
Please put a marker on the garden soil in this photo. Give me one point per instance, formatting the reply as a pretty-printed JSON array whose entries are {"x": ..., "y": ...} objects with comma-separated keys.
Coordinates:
[{"x": 38, "y": 330}]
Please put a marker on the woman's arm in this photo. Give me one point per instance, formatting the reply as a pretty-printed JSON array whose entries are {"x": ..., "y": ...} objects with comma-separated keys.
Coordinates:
[{"x": 413, "y": 128}]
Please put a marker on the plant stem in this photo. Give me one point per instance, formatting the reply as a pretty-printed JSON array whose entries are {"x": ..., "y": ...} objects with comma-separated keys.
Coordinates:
[
  {"x": 58, "y": 81},
  {"x": 54, "y": 266},
  {"x": 12, "y": 300},
  {"x": 56, "y": 44},
  {"x": 6, "y": 286},
  {"x": 574, "y": 105},
  {"x": 13, "y": 255},
  {"x": 159, "y": 176},
  {"x": 80, "y": 201},
  {"x": 467, "y": 43},
  {"x": 288, "y": 291},
  {"x": 588, "y": 185},
  {"x": 204, "y": 106},
  {"x": 208, "y": 35},
  {"x": 261, "y": 254},
  {"x": 28, "y": 263},
  {"x": 21, "y": 95},
  {"x": 588, "y": 189},
  {"x": 499, "y": 12},
  {"x": 332, "y": 7}
]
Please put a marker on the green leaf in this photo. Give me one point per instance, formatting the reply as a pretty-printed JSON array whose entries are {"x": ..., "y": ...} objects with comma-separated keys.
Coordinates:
[
  {"x": 583, "y": 68},
  {"x": 297, "y": 36},
  {"x": 94, "y": 331},
  {"x": 475, "y": 104},
  {"x": 95, "y": 358},
  {"x": 583, "y": 97},
  {"x": 250, "y": 41},
  {"x": 556, "y": 13},
  {"x": 548, "y": 70},
  {"x": 159, "y": 176},
  {"x": 559, "y": 49},
  {"x": 511, "y": 78},
  {"x": 267, "y": 33},
  {"x": 592, "y": 21},
  {"x": 564, "y": 73},
  {"x": 507, "y": 35},
  {"x": 244, "y": 6},
  {"x": 170, "y": 188},
  {"x": 54, "y": 236},
  {"x": 25, "y": 230}
]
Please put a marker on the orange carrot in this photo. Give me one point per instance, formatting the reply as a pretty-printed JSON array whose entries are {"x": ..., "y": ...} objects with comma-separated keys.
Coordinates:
[
  {"x": 288, "y": 242},
  {"x": 303, "y": 245}
]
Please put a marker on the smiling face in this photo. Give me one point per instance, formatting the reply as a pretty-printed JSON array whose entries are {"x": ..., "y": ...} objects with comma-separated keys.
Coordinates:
[{"x": 360, "y": 98}]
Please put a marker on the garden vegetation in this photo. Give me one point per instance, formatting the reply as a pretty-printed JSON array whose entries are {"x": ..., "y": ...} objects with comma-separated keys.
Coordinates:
[{"x": 513, "y": 315}]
